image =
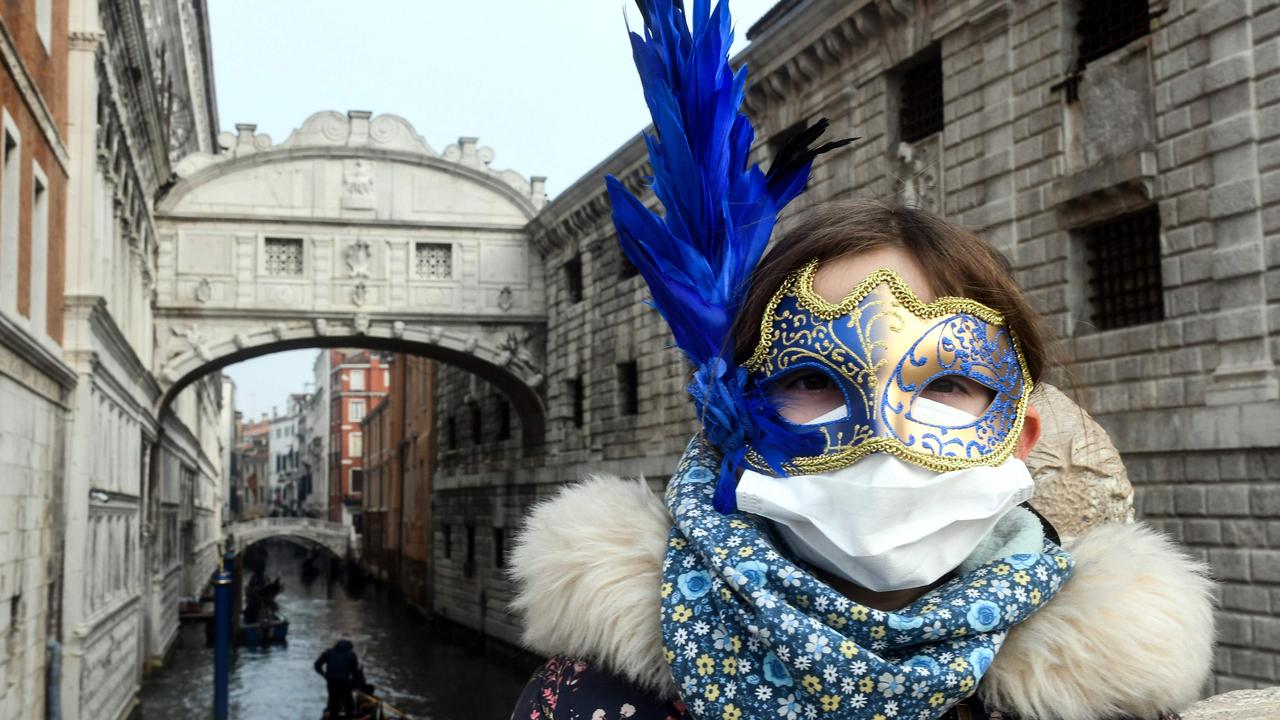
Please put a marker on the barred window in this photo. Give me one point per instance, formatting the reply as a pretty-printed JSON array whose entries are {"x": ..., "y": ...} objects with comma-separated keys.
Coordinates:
[
  {"x": 469, "y": 565},
  {"x": 500, "y": 547},
  {"x": 573, "y": 278},
  {"x": 1125, "y": 284},
  {"x": 920, "y": 100},
  {"x": 626, "y": 268},
  {"x": 1107, "y": 25},
  {"x": 284, "y": 256},
  {"x": 577, "y": 401},
  {"x": 433, "y": 261},
  {"x": 629, "y": 387},
  {"x": 504, "y": 419},
  {"x": 476, "y": 424}
]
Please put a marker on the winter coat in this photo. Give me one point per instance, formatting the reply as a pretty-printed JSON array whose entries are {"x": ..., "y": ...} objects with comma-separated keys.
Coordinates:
[
  {"x": 339, "y": 664},
  {"x": 1130, "y": 635}
]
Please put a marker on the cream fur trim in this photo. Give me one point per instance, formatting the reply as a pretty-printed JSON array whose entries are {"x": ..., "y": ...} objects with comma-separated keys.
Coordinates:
[
  {"x": 1131, "y": 633},
  {"x": 587, "y": 565}
]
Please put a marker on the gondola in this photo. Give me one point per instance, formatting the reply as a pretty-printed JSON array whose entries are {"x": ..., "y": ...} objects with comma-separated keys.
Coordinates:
[
  {"x": 268, "y": 632},
  {"x": 372, "y": 707}
]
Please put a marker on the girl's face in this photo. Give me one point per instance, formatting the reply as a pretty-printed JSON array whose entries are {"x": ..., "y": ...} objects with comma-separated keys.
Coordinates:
[{"x": 809, "y": 395}]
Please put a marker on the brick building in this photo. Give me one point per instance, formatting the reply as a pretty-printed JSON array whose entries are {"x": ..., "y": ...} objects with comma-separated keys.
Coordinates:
[
  {"x": 254, "y": 451},
  {"x": 358, "y": 381},
  {"x": 35, "y": 382},
  {"x": 399, "y": 439},
  {"x": 1124, "y": 156}
]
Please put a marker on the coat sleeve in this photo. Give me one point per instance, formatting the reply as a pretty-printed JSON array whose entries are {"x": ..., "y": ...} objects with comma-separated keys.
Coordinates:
[
  {"x": 566, "y": 687},
  {"x": 320, "y": 662}
]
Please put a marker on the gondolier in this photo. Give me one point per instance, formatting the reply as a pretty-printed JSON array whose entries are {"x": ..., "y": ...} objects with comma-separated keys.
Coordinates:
[{"x": 341, "y": 670}]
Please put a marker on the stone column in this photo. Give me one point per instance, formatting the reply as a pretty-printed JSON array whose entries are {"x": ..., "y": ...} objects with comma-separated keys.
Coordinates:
[{"x": 1246, "y": 370}]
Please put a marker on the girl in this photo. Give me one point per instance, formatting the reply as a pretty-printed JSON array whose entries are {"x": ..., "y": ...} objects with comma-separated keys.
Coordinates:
[{"x": 848, "y": 535}]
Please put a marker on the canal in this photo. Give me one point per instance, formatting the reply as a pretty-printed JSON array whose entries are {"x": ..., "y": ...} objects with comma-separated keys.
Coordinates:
[{"x": 430, "y": 678}]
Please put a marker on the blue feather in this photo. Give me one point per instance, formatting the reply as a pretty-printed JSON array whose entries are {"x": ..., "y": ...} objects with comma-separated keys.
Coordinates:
[{"x": 720, "y": 210}]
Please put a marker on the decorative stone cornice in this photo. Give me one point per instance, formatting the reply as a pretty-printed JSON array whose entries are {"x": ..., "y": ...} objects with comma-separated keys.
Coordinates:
[
  {"x": 84, "y": 40},
  {"x": 581, "y": 209},
  {"x": 105, "y": 328},
  {"x": 359, "y": 134},
  {"x": 32, "y": 97},
  {"x": 125, "y": 18},
  {"x": 818, "y": 38},
  {"x": 34, "y": 352}
]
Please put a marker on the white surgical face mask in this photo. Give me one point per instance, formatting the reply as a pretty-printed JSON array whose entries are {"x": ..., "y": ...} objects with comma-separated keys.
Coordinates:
[{"x": 884, "y": 523}]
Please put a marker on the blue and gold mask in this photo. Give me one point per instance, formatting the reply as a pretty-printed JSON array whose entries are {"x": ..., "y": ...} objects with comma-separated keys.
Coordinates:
[{"x": 881, "y": 347}]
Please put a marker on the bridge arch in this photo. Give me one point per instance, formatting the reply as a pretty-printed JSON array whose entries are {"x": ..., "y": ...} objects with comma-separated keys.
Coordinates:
[{"x": 334, "y": 537}]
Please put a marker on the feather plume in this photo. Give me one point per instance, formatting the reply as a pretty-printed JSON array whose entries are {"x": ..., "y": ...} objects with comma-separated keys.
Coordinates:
[{"x": 720, "y": 210}]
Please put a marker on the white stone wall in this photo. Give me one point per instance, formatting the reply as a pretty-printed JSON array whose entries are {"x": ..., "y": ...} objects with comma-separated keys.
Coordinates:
[
  {"x": 30, "y": 468},
  {"x": 118, "y": 606}
]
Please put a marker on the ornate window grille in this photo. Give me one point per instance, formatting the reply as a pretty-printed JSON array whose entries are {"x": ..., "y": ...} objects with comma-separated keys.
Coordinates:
[
  {"x": 433, "y": 261},
  {"x": 1107, "y": 25},
  {"x": 920, "y": 104},
  {"x": 284, "y": 256},
  {"x": 1125, "y": 284}
]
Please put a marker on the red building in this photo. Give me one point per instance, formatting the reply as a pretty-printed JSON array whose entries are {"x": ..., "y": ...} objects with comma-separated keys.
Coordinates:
[
  {"x": 358, "y": 381},
  {"x": 399, "y": 445}
]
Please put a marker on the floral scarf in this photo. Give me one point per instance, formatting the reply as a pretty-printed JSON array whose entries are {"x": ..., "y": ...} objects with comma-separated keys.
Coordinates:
[{"x": 748, "y": 633}]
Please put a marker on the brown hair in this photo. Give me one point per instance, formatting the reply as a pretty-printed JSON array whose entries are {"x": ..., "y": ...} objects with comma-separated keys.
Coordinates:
[{"x": 958, "y": 263}]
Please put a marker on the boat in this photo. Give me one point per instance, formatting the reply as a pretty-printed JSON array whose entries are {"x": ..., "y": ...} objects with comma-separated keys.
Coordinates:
[
  {"x": 371, "y": 707},
  {"x": 273, "y": 631}
]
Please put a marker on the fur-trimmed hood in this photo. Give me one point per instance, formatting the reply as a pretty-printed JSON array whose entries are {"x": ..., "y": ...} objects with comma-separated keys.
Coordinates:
[{"x": 1130, "y": 634}]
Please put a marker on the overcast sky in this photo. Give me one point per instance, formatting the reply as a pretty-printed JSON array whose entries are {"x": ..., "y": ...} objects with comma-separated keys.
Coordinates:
[{"x": 548, "y": 84}]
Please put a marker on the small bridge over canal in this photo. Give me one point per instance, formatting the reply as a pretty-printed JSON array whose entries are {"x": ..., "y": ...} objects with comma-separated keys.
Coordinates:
[{"x": 334, "y": 537}]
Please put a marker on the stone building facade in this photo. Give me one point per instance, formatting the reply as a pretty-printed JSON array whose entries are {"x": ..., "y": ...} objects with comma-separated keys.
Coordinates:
[
  {"x": 399, "y": 439},
  {"x": 142, "y": 505},
  {"x": 36, "y": 384},
  {"x": 358, "y": 381},
  {"x": 1123, "y": 156}
]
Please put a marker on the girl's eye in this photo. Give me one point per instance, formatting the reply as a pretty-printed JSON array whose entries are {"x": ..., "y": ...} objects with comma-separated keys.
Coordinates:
[
  {"x": 946, "y": 386},
  {"x": 811, "y": 382}
]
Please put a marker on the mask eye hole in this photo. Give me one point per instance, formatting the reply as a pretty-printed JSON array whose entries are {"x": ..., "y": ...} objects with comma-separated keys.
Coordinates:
[
  {"x": 806, "y": 394},
  {"x": 961, "y": 393}
]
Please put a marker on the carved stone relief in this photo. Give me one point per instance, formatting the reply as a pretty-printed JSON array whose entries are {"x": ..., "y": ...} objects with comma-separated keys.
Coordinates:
[
  {"x": 358, "y": 255},
  {"x": 195, "y": 341},
  {"x": 1079, "y": 475},
  {"x": 358, "y": 186},
  {"x": 917, "y": 172}
]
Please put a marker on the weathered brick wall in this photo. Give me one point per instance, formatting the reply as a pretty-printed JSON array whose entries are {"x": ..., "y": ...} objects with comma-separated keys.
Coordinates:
[{"x": 1185, "y": 119}]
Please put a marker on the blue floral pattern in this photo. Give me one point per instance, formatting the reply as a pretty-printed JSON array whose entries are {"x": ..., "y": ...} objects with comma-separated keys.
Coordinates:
[{"x": 749, "y": 634}]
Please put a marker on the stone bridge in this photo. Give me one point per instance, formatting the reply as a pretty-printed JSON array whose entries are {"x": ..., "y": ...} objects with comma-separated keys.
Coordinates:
[
  {"x": 334, "y": 537},
  {"x": 352, "y": 232}
]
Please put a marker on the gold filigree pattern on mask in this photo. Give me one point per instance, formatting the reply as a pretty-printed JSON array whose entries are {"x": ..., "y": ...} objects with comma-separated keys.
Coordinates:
[{"x": 884, "y": 345}]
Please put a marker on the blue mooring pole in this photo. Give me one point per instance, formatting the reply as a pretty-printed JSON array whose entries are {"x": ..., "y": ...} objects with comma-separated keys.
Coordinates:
[{"x": 222, "y": 637}]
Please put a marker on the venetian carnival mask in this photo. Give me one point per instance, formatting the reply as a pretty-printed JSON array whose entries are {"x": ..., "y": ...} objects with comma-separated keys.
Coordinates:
[{"x": 881, "y": 346}]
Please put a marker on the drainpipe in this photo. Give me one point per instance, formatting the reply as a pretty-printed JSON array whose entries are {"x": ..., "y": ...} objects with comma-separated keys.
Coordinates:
[{"x": 53, "y": 691}]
